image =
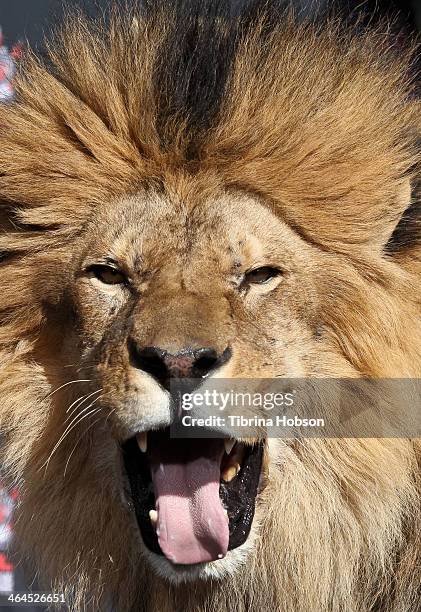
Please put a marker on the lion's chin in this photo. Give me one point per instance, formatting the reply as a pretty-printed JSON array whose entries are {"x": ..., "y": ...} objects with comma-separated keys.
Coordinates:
[{"x": 234, "y": 562}]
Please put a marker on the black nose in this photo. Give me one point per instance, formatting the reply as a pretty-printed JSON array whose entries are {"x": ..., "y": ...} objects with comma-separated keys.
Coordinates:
[{"x": 193, "y": 363}]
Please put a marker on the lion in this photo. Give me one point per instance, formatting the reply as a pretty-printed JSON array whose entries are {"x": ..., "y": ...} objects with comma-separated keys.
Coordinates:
[{"x": 184, "y": 194}]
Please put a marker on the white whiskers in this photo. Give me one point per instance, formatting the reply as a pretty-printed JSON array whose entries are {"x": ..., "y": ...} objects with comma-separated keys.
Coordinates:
[
  {"x": 83, "y": 434},
  {"x": 69, "y": 382},
  {"x": 79, "y": 401},
  {"x": 73, "y": 423}
]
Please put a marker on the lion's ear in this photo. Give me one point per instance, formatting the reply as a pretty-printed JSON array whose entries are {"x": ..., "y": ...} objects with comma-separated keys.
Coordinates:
[{"x": 404, "y": 241}]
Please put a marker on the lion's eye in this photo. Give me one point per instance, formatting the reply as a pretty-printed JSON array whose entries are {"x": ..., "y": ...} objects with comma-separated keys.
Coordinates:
[
  {"x": 107, "y": 274},
  {"x": 260, "y": 276}
]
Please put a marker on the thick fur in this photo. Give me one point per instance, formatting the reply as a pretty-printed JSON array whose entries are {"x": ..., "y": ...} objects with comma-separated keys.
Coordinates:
[{"x": 302, "y": 140}]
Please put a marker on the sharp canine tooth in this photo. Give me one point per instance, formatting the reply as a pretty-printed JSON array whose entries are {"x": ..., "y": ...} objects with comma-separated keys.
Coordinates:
[
  {"x": 142, "y": 441},
  {"x": 153, "y": 515},
  {"x": 229, "y": 445}
]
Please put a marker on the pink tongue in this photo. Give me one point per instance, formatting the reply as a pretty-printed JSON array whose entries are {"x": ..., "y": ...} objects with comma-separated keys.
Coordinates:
[{"x": 192, "y": 525}]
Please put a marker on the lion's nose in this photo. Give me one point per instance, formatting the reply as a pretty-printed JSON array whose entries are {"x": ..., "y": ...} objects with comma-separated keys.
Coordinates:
[{"x": 186, "y": 363}]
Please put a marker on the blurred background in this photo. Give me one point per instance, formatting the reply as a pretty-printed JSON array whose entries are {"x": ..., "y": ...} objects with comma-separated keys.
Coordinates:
[{"x": 23, "y": 19}]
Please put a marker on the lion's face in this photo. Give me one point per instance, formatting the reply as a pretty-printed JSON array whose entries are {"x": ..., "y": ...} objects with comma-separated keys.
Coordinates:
[
  {"x": 158, "y": 290},
  {"x": 228, "y": 276}
]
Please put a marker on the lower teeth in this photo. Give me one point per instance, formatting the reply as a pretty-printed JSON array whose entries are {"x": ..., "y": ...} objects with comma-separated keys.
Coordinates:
[{"x": 153, "y": 515}]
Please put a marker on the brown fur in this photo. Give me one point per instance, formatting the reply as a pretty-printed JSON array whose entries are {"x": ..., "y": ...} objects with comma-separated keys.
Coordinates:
[{"x": 306, "y": 165}]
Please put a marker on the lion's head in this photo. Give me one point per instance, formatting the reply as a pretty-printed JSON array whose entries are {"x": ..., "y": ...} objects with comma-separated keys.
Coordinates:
[{"x": 203, "y": 197}]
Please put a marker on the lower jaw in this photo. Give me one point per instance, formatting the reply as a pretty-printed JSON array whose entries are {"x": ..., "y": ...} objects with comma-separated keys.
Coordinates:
[{"x": 218, "y": 570}]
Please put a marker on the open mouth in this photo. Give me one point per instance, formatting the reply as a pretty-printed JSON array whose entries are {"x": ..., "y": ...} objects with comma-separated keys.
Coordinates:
[{"x": 194, "y": 499}]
